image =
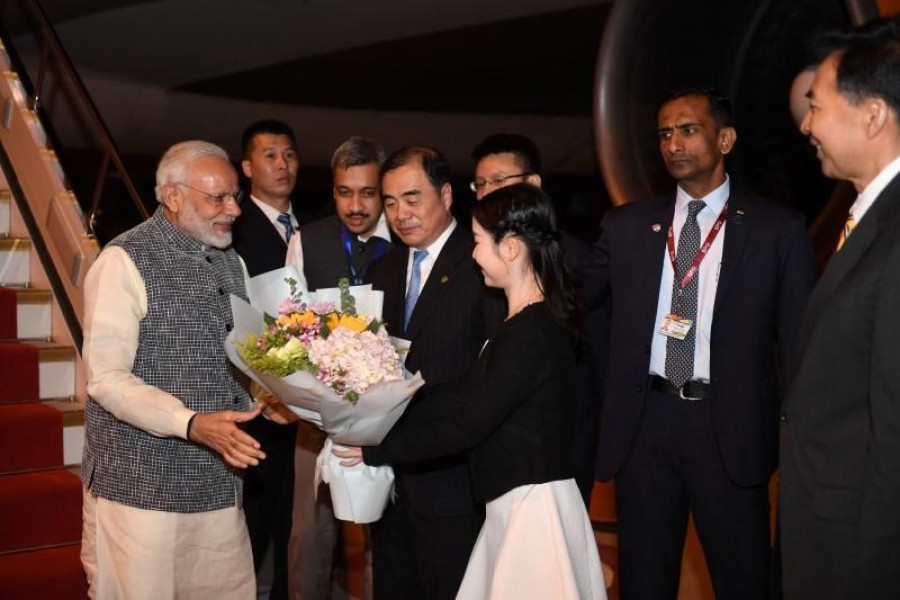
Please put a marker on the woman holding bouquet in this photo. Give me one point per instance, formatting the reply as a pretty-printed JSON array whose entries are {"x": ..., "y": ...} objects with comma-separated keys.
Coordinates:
[{"x": 516, "y": 416}]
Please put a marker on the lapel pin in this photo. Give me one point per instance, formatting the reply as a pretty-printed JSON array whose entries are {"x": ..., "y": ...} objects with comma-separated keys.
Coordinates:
[
  {"x": 445, "y": 278},
  {"x": 738, "y": 216},
  {"x": 656, "y": 228}
]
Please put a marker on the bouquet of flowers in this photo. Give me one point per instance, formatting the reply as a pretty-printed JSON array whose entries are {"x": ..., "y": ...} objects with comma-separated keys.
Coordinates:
[
  {"x": 328, "y": 357},
  {"x": 344, "y": 350}
]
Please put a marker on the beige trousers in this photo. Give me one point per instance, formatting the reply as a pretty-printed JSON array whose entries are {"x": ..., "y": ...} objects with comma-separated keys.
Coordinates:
[
  {"x": 315, "y": 530},
  {"x": 135, "y": 554}
]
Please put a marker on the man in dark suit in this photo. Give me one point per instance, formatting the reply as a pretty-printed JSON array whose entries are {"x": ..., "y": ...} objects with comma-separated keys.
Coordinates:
[
  {"x": 706, "y": 287},
  {"x": 343, "y": 245},
  {"x": 503, "y": 159},
  {"x": 434, "y": 297},
  {"x": 260, "y": 236},
  {"x": 336, "y": 247},
  {"x": 840, "y": 478}
]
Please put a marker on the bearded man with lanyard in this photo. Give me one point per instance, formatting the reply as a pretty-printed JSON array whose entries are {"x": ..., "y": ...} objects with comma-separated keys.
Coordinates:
[
  {"x": 342, "y": 245},
  {"x": 706, "y": 288}
]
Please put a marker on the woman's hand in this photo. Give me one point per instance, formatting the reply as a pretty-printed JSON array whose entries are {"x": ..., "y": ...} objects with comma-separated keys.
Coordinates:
[{"x": 353, "y": 454}]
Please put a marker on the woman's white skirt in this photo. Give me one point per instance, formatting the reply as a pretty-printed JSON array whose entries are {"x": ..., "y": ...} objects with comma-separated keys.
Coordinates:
[{"x": 536, "y": 543}]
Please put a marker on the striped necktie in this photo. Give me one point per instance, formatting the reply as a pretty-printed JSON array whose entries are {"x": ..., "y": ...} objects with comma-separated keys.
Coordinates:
[
  {"x": 849, "y": 225},
  {"x": 285, "y": 220}
]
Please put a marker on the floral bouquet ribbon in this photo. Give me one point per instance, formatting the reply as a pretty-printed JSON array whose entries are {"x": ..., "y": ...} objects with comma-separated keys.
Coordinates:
[{"x": 329, "y": 359}]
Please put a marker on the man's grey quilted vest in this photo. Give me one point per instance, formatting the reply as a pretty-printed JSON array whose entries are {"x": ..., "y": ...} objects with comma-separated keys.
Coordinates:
[{"x": 180, "y": 351}]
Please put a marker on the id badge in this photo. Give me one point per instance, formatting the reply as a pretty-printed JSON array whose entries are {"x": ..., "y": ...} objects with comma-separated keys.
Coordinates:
[{"x": 676, "y": 327}]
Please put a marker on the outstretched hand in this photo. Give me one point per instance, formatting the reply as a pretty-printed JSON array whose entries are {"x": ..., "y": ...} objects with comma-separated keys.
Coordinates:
[
  {"x": 220, "y": 431},
  {"x": 353, "y": 454}
]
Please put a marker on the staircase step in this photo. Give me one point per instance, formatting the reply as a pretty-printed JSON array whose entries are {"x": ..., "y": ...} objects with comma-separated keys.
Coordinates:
[
  {"x": 40, "y": 508},
  {"x": 5, "y": 199},
  {"x": 34, "y": 314},
  {"x": 73, "y": 428},
  {"x": 30, "y": 437},
  {"x": 56, "y": 370},
  {"x": 15, "y": 258},
  {"x": 21, "y": 372},
  {"x": 45, "y": 573}
]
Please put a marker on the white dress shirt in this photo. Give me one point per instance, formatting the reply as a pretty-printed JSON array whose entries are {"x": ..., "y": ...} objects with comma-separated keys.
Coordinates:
[
  {"x": 272, "y": 214},
  {"x": 867, "y": 197},
  {"x": 434, "y": 250},
  {"x": 709, "y": 280}
]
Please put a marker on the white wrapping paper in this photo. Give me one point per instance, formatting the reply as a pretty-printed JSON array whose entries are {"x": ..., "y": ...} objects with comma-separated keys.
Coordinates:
[{"x": 360, "y": 493}]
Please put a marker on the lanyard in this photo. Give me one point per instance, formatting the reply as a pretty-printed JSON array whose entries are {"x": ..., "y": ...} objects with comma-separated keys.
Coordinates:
[
  {"x": 701, "y": 253},
  {"x": 378, "y": 251}
]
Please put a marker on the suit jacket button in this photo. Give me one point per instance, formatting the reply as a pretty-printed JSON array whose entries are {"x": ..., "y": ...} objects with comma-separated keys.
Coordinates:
[
  {"x": 639, "y": 388},
  {"x": 228, "y": 327},
  {"x": 784, "y": 418}
]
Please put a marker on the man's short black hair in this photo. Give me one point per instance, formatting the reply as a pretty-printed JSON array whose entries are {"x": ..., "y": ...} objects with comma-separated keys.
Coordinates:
[
  {"x": 435, "y": 165},
  {"x": 719, "y": 104},
  {"x": 525, "y": 150},
  {"x": 270, "y": 126},
  {"x": 869, "y": 60}
]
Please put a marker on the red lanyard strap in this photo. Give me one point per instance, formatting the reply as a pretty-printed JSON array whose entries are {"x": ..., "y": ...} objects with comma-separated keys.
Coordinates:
[{"x": 701, "y": 254}]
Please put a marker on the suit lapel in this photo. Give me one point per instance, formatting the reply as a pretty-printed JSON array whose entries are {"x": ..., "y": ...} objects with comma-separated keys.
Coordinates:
[
  {"x": 395, "y": 290},
  {"x": 738, "y": 230},
  {"x": 842, "y": 263},
  {"x": 656, "y": 231},
  {"x": 455, "y": 250}
]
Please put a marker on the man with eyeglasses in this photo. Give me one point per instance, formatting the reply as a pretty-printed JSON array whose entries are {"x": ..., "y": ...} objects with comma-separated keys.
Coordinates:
[
  {"x": 503, "y": 159},
  {"x": 261, "y": 238},
  {"x": 163, "y": 420}
]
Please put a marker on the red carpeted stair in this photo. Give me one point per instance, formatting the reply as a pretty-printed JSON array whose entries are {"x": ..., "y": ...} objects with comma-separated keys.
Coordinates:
[{"x": 40, "y": 501}]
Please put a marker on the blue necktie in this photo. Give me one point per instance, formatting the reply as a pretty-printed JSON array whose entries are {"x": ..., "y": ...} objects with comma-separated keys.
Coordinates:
[
  {"x": 285, "y": 219},
  {"x": 415, "y": 280}
]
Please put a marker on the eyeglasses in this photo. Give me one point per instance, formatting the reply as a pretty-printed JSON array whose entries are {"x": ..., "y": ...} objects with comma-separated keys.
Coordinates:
[
  {"x": 479, "y": 184},
  {"x": 217, "y": 200}
]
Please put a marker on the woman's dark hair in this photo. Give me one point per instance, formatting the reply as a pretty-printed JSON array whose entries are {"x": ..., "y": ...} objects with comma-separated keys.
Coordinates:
[{"x": 526, "y": 212}]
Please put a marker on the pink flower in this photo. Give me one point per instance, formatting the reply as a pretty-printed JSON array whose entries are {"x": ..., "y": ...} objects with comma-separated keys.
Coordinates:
[{"x": 288, "y": 306}]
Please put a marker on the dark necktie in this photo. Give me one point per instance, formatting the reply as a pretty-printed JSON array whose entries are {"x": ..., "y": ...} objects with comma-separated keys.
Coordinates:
[
  {"x": 285, "y": 219},
  {"x": 680, "y": 353},
  {"x": 415, "y": 280}
]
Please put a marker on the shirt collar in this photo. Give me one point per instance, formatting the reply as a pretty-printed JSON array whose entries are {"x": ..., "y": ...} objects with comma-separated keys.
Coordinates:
[
  {"x": 437, "y": 245},
  {"x": 272, "y": 213},
  {"x": 867, "y": 197},
  {"x": 176, "y": 236},
  {"x": 714, "y": 200},
  {"x": 381, "y": 230}
]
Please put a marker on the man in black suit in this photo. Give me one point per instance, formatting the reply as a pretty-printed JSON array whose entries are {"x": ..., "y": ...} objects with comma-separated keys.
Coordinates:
[
  {"x": 503, "y": 159},
  {"x": 706, "y": 287},
  {"x": 260, "y": 236},
  {"x": 340, "y": 246},
  {"x": 434, "y": 297},
  {"x": 840, "y": 478}
]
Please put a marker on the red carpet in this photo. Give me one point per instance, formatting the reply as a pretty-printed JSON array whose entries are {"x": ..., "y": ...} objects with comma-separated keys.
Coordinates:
[
  {"x": 47, "y": 574},
  {"x": 29, "y": 437},
  {"x": 39, "y": 509},
  {"x": 18, "y": 372},
  {"x": 8, "y": 325},
  {"x": 40, "y": 502}
]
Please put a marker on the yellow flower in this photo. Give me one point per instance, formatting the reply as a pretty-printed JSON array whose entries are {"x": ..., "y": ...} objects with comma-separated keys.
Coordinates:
[
  {"x": 351, "y": 322},
  {"x": 304, "y": 319}
]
